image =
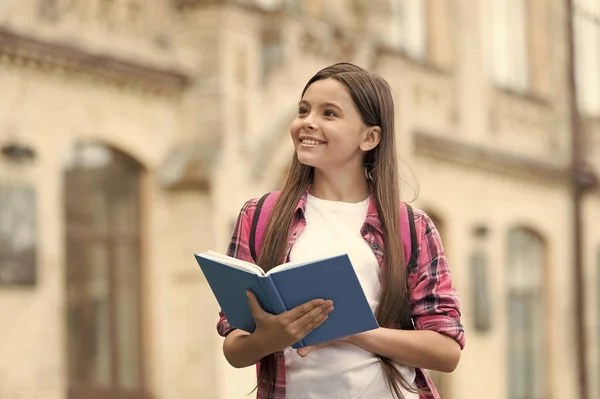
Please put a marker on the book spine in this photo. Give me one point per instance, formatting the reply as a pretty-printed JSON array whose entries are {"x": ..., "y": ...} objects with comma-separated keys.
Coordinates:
[
  {"x": 271, "y": 292},
  {"x": 278, "y": 303}
]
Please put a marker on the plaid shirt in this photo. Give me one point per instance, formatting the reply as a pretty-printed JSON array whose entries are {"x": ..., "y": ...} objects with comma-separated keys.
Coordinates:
[{"x": 433, "y": 302}]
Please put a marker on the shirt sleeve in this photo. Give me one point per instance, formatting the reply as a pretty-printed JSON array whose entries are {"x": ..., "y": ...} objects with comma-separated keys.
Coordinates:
[
  {"x": 434, "y": 303},
  {"x": 240, "y": 249}
]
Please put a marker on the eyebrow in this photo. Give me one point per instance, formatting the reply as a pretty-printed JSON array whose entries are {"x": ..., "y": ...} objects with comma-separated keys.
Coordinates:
[{"x": 324, "y": 105}]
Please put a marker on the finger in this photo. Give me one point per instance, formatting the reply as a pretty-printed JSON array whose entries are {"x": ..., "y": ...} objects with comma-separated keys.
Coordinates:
[
  {"x": 255, "y": 307},
  {"x": 301, "y": 310},
  {"x": 303, "y": 352},
  {"x": 313, "y": 317},
  {"x": 313, "y": 324}
]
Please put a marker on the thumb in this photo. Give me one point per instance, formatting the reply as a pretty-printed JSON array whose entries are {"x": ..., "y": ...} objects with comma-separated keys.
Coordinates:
[
  {"x": 303, "y": 352},
  {"x": 255, "y": 307}
]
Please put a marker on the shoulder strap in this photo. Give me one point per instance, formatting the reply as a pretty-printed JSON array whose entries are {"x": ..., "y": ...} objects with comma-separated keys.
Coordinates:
[
  {"x": 255, "y": 217},
  {"x": 407, "y": 227},
  {"x": 259, "y": 222},
  {"x": 410, "y": 246},
  {"x": 409, "y": 237},
  {"x": 405, "y": 231},
  {"x": 266, "y": 202}
]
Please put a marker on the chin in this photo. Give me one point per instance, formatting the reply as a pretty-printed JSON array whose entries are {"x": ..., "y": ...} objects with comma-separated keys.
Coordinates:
[{"x": 307, "y": 160}]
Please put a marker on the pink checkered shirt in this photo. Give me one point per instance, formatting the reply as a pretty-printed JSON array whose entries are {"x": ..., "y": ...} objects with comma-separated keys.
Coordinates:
[{"x": 434, "y": 303}]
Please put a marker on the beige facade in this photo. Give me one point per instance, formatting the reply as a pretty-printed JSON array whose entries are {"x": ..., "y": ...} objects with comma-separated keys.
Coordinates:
[{"x": 199, "y": 94}]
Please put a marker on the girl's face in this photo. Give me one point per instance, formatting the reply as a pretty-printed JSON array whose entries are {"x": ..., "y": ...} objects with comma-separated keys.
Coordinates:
[{"x": 328, "y": 132}]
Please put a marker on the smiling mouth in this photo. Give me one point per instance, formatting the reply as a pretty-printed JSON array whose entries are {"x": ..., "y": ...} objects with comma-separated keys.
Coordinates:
[{"x": 311, "y": 142}]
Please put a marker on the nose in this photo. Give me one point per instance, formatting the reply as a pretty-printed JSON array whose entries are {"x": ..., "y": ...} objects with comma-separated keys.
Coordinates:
[{"x": 308, "y": 123}]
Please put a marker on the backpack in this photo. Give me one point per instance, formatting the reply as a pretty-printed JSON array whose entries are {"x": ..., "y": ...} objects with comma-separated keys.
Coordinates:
[{"x": 407, "y": 228}]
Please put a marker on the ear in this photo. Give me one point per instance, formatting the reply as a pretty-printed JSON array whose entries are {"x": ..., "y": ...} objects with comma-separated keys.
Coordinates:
[{"x": 371, "y": 138}]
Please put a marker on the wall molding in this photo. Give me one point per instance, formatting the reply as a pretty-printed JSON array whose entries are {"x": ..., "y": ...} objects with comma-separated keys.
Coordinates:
[
  {"x": 457, "y": 152},
  {"x": 22, "y": 50}
]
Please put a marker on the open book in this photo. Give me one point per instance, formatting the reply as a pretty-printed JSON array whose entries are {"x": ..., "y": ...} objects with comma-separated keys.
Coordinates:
[{"x": 287, "y": 286}]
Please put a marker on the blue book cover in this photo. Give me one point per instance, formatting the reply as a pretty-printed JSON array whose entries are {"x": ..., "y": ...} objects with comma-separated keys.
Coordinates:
[{"x": 287, "y": 286}]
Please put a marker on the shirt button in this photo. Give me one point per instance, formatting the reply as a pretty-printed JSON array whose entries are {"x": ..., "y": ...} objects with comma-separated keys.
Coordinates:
[{"x": 374, "y": 247}]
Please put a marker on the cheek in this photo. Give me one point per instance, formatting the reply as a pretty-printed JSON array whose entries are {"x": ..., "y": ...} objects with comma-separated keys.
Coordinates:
[{"x": 295, "y": 126}]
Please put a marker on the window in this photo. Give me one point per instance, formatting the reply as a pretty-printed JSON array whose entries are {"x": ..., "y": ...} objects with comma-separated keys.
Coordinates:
[
  {"x": 17, "y": 235},
  {"x": 424, "y": 30},
  {"x": 408, "y": 31},
  {"x": 516, "y": 44},
  {"x": 440, "y": 33},
  {"x": 586, "y": 22},
  {"x": 272, "y": 50},
  {"x": 103, "y": 273},
  {"x": 507, "y": 50},
  {"x": 526, "y": 315}
]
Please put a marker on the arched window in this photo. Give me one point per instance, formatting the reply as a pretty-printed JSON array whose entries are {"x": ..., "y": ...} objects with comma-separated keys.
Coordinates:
[
  {"x": 102, "y": 206},
  {"x": 526, "y": 315}
]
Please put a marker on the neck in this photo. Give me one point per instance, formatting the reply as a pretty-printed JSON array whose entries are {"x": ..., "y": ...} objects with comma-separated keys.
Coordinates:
[{"x": 340, "y": 186}]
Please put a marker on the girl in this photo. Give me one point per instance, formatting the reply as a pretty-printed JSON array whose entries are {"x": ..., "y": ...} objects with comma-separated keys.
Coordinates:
[{"x": 342, "y": 196}]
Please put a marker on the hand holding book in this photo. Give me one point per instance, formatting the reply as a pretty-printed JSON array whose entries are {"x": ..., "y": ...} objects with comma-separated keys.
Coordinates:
[
  {"x": 277, "y": 332},
  {"x": 287, "y": 295}
]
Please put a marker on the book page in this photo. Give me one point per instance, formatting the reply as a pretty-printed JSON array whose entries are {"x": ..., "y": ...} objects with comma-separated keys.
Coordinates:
[
  {"x": 234, "y": 262},
  {"x": 291, "y": 265}
]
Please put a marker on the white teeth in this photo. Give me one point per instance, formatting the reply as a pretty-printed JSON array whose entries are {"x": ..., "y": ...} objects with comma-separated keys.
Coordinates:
[{"x": 311, "y": 142}]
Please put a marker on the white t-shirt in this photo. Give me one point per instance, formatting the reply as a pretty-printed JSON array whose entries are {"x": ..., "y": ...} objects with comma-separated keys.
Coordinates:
[{"x": 340, "y": 370}]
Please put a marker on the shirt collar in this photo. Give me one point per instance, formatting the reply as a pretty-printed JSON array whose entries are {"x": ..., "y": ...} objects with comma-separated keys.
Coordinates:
[
  {"x": 372, "y": 214},
  {"x": 301, "y": 207}
]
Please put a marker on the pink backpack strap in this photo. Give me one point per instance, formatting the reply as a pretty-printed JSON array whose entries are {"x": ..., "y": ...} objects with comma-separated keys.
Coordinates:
[
  {"x": 266, "y": 202},
  {"x": 259, "y": 222}
]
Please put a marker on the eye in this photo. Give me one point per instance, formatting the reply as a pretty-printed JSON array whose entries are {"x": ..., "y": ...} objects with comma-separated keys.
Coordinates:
[
  {"x": 329, "y": 113},
  {"x": 302, "y": 110}
]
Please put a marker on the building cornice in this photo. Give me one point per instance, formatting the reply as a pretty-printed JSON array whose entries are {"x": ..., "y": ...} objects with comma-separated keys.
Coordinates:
[
  {"x": 188, "y": 5},
  {"x": 457, "y": 152},
  {"x": 23, "y": 50}
]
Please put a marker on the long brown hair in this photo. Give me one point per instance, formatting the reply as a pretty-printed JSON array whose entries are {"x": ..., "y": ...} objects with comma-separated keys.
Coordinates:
[{"x": 373, "y": 99}]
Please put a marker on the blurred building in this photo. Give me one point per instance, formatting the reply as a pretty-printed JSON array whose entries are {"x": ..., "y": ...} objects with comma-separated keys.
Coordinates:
[{"x": 132, "y": 132}]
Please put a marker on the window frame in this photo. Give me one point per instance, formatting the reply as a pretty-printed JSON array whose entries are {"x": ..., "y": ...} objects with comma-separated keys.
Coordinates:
[
  {"x": 77, "y": 232},
  {"x": 523, "y": 295}
]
